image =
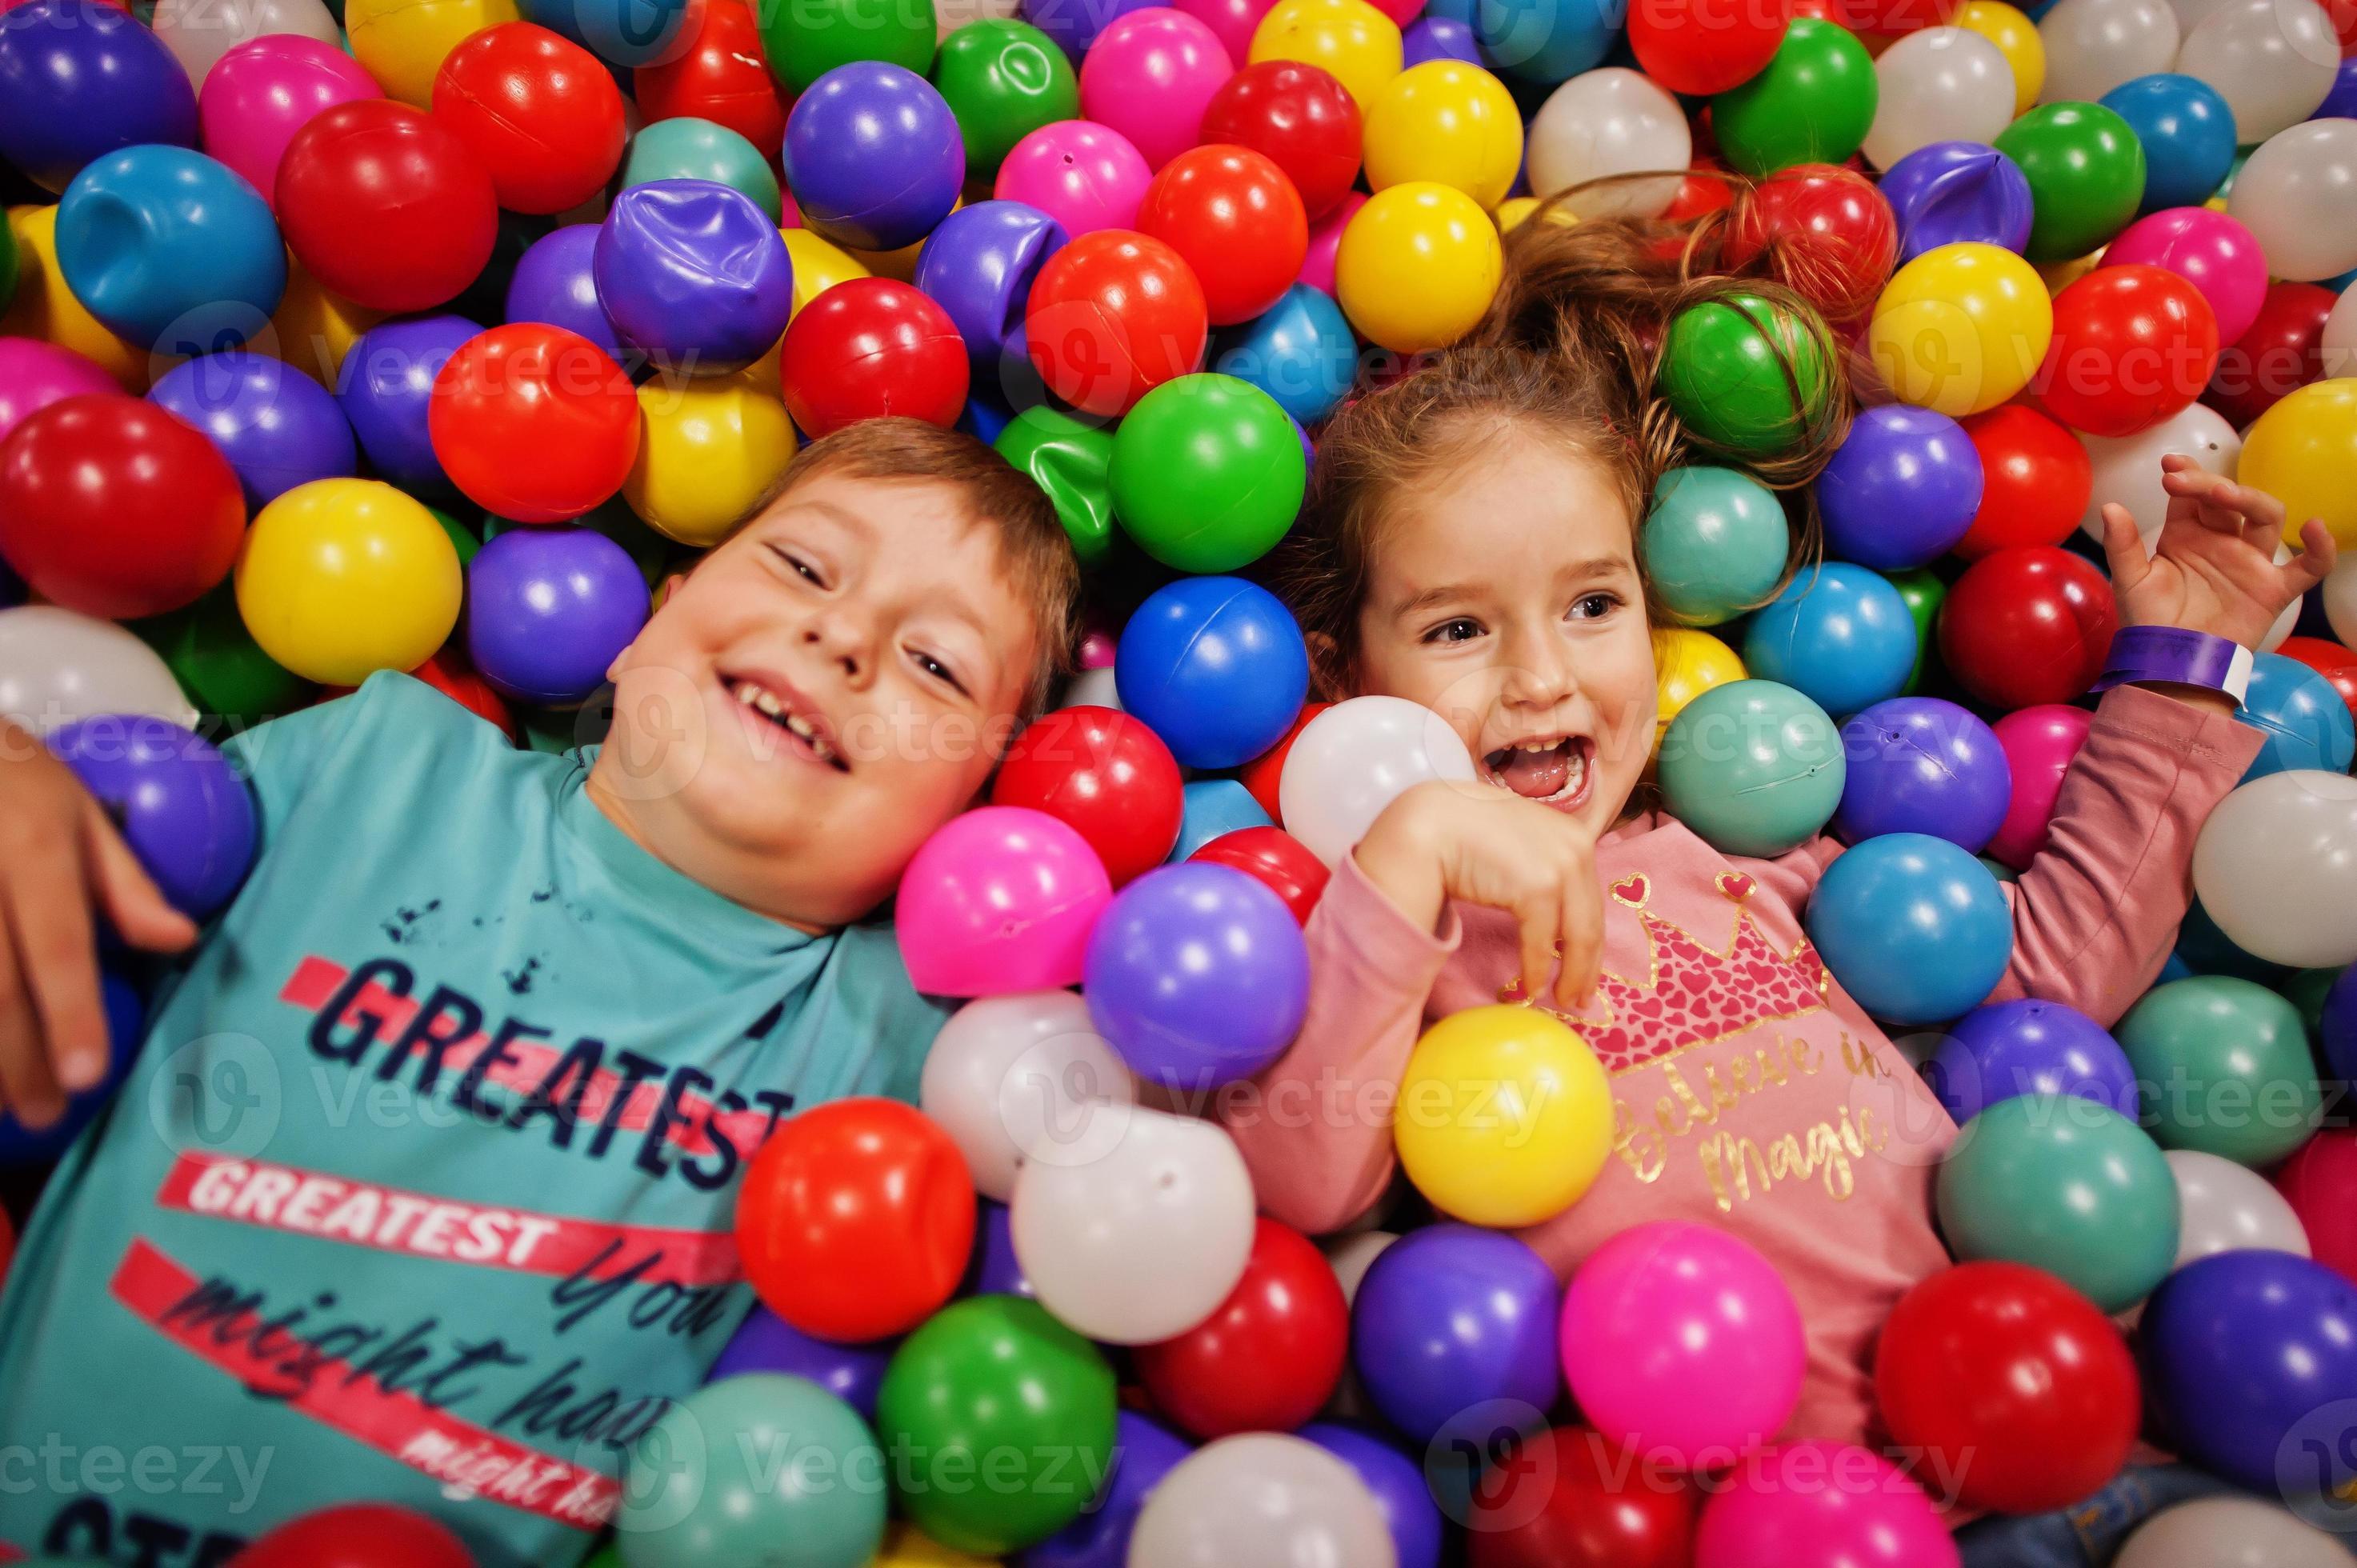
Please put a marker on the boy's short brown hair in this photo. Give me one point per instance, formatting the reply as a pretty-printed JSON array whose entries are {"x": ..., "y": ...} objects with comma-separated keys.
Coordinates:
[{"x": 1031, "y": 540}]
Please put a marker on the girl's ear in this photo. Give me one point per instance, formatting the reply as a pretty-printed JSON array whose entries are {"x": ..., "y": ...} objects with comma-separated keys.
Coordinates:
[{"x": 1328, "y": 680}]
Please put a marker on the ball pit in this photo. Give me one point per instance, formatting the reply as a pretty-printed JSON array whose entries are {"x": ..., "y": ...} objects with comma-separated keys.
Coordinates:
[
  {"x": 1236, "y": 221},
  {"x": 1112, "y": 316},
  {"x": 1416, "y": 267},
  {"x": 538, "y": 112},
  {"x": 1299, "y": 117},
  {"x": 82, "y": 80},
  {"x": 690, "y": 148},
  {"x": 1840, "y": 635},
  {"x": 351, "y": 166},
  {"x": 340, "y": 578},
  {"x": 277, "y": 427},
  {"x": 868, "y": 347},
  {"x": 693, "y": 276},
  {"x": 534, "y": 423},
  {"x": 721, "y": 78}
]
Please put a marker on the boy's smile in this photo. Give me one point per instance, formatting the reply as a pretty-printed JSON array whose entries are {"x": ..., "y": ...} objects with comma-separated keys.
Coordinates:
[{"x": 768, "y": 703}]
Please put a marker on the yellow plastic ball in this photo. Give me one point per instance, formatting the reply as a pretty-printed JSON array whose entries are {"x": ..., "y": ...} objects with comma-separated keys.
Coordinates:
[
  {"x": 708, "y": 449},
  {"x": 1417, "y": 266},
  {"x": 1348, "y": 37},
  {"x": 402, "y": 43},
  {"x": 2303, "y": 451},
  {"x": 819, "y": 265},
  {"x": 313, "y": 329},
  {"x": 2016, "y": 37},
  {"x": 1514, "y": 211},
  {"x": 908, "y": 1547},
  {"x": 45, "y": 309},
  {"x": 340, "y": 578},
  {"x": 1961, "y": 328},
  {"x": 1504, "y": 1116},
  {"x": 1446, "y": 121},
  {"x": 1686, "y": 663}
]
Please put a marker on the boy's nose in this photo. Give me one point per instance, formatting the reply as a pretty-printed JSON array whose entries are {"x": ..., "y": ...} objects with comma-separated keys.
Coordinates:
[{"x": 838, "y": 639}]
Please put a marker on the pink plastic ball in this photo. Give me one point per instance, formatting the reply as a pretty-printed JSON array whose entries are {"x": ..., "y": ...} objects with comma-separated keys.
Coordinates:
[
  {"x": 1232, "y": 22},
  {"x": 34, "y": 375},
  {"x": 1097, "y": 649},
  {"x": 2209, "y": 250},
  {"x": 264, "y": 91},
  {"x": 1084, "y": 175},
  {"x": 1668, "y": 1308},
  {"x": 1816, "y": 1504},
  {"x": 1325, "y": 238},
  {"x": 1002, "y": 898},
  {"x": 1400, "y": 12},
  {"x": 1149, "y": 76},
  {"x": 2038, "y": 744}
]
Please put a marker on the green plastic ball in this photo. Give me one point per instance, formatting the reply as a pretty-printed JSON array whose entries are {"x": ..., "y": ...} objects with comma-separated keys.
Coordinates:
[
  {"x": 1715, "y": 542},
  {"x": 688, "y": 148},
  {"x": 467, "y": 541},
  {"x": 2085, "y": 169},
  {"x": 996, "y": 1417},
  {"x": 1207, "y": 472},
  {"x": 2306, "y": 992},
  {"x": 1924, "y": 593},
  {"x": 2066, "y": 1184},
  {"x": 1745, "y": 375},
  {"x": 1004, "y": 80},
  {"x": 754, "y": 1471},
  {"x": 1072, "y": 461},
  {"x": 1753, "y": 766},
  {"x": 2223, "y": 1066},
  {"x": 805, "y": 39},
  {"x": 7, "y": 265},
  {"x": 1814, "y": 104},
  {"x": 219, "y": 664}
]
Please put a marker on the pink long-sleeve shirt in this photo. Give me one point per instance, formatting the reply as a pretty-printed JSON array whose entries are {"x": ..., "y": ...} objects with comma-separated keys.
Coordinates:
[{"x": 1750, "y": 1091}]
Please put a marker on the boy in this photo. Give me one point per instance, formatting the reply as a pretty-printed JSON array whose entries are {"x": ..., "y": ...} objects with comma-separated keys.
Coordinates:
[{"x": 421, "y": 1187}]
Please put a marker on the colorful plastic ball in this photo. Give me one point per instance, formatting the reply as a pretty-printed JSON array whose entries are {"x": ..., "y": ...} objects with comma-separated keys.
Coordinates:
[
  {"x": 874, "y": 156},
  {"x": 556, "y": 283},
  {"x": 169, "y": 250},
  {"x": 385, "y": 206},
  {"x": 2305, "y": 724},
  {"x": 1430, "y": 39},
  {"x": 1918, "y": 764},
  {"x": 1715, "y": 543},
  {"x": 2315, "y": 1180},
  {"x": 1268, "y": 1358},
  {"x": 1961, "y": 328},
  {"x": 1744, "y": 374},
  {"x": 2286, "y": 193},
  {"x": 1325, "y": 245},
  {"x": 1236, "y": 221},
  {"x": 1261, "y": 1493},
  {"x": 1901, "y": 490},
  {"x": 2036, "y": 481},
  {"x": 2286, "y": 347},
  {"x": 1812, "y": 104},
  {"x": 1398, "y": 1486},
  {"x": 2241, "y": 1352},
  {"x": 541, "y": 115},
  {"x": 1150, "y": 74},
  {"x": 534, "y": 423},
  {"x": 721, "y": 78},
  {"x": 34, "y": 375},
  {"x": 803, "y": 45},
  {"x": 1446, "y": 122},
  {"x": 277, "y": 427},
  {"x": 2301, "y": 451},
  {"x": 1449, "y": 1316},
  {"x": 341, "y": 578},
  {"x": 2039, "y": 742},
  {"x": 2225, "y": 1067},
  {"x": 1838, "y": 633},
  {"x": 1752, "y": 767},
  {"x": 1000, "y": 899},
  {"x": 2188, "y": 134},
  {"x": 2132, "y": 345},
  {"x": 385, "y": 390},
  {"x": 1543, "y": 41},
  {"x": 1070, "y": 460},
  {"x": 1298, "y": 116},
  {"x": 1283, "y": 864},
  {"x": 1358, "y": 44},
  {"x": 44, "y": 308},
  {"x": 79, "y": 79},
  {"x": 316, "y": 329},
  {"x": 1569, "y": 1497},
  {"x": 1207, "y": 475},
  {"x": 1513, "y": 1120},
  {"x": 1112, "y": 316},
  {"x": 2064, "y": 1185},
  {"x": 1216, "y": 666},
  {"x": 1914, "y": 927},
  {"x": 57, "y": 666},
  {"x": 1107, "y": 776},
  {"x": 979, "y": 267},
  {"x": 1300, "y": 351},
  {"x": 358, "y": 1535},
  {"x": 709, "y": 449},
  {"x": 177, "y": 802},
  {"x": 262, "y": 91},
  {"x": 626, "y": 35},
  {"x": 2086, "y": 174},
  {"x": 112, "y": 507},
  {"x": 2015, "y": 36},
  {"x": 1003, "y": 80},
  {"x": 1836, "y": 237},
  {"x": 402, "y": 45},
  {"x": 1703, "y": 48},
  {"x": 1100, "y": 1538},
  {"x": 2029, "y": 1046},
  {"x": 1937, "y": 85},
  {"x": 1686, "y": 663},
  {"x": 1348, "y": 761},
  {"x": 871, "y": 347},
  {"x": 1418, "y": 267},
  {"x": 701, "y": 149},
  {"x": 1083, "y": 175},
  {"x": 693, "y": 275},
  {"x": 2028, "y": 626},
  {"x": 548, "y": 610},
  {"x": 1609, "y": 123},
  {"x": 1955, "y": 193}
]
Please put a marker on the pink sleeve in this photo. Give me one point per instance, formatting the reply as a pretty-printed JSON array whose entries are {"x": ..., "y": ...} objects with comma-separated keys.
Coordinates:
[{"x": 1315, "y": 1130}]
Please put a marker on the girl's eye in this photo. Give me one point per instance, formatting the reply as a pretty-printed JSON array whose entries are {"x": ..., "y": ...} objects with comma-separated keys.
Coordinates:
[
  {"x": 1594, "y": 606},
  {"x": 1457, "y": 630}
]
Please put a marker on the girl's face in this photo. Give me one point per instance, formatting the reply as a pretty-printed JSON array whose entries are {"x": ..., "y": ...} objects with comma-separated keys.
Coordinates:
[{"x": 1509, "y": 603}]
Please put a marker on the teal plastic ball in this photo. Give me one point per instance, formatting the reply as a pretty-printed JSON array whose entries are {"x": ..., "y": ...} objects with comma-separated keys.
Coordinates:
[
  {"x": 1754, "y": 768},
  {"x": 1715, "y": 543}
]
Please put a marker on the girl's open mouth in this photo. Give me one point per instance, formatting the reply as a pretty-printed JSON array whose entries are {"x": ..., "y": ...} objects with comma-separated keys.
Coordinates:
[{"x": 1551, "y": 770}]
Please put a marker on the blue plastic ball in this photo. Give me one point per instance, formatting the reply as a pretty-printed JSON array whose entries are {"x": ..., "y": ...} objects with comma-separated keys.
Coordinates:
[
  {"x": 170, "y": 250},
  {"x": 2186, "y": 132},
  {"x": 625, "y": 34},
  {"x": 873, "y": 157},
  {"x": 2029, "y": 1046},
  {"x": 184, "y": 810},
  {"x": 1439, "y": 37},
  {"x": 548, "y": 609},
  {"x": 1918, "y": 764},
  {"x": 555, "y": 282},
  {"x": 1100, "y": 1537},
  {"x": 2341, "y": 103},
  {"x": 2306, "y": 722},
  {"x": 1914, "y": 928},
  {"x": 1300, "y": 351},
  {"x": 79, "y": 79},
  {"x": 1450, "y": 1317},
  {"x": 979, "y": 267},
  {"x": 1715, "y": 542},
  {"x": 385, "y": 388},
  {"x": 126, "y": 1015},
  {"x": 1900, "y": 489},
  {"x": 1398, "y": 1486},
  {"x": 1547, "y": 40},
  {"x": 693, "y": 274},
  {"x": 1840, "y": 634},
  {"x": 1752, "y": 767},
  {"x": 1953, "y": 192},
  {"x": 767, "y": 1343},
  {"x": 277, "y": 426},
  {"x": 1213, "y": 807},
  {"x": 1216, "y": 667}
]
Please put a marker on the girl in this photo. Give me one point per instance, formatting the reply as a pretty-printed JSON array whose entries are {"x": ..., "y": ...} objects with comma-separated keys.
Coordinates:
[{"x": 1472, "y": 544}]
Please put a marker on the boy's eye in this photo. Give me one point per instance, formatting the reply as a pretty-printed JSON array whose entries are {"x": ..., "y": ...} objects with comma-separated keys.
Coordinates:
[
  {"x": 808, "y": 571},
  {"x": 1457, "y": 630},
  {"x": 1594, "y": 606},
  {"x": 940, "y": 672}
]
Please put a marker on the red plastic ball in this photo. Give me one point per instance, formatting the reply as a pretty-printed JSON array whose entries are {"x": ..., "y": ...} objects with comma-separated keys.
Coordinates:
[
  {"x": 2131, "y": 345},
  {"x": 1236, "y": 221},
  {"x": 2337, "y": 664},
  {"x": 2281, "y": 351},
  {"x": 357, "y": 1535},
  {"x": 1883, "y": 19},
  {"x": 450, "y": 673},
  {"x": 1300, "y": 118},
  {"x": 1263, "y": 773},
  {"x": 868, "y": 348},
  {"x": 384, "y": 206},
  {"x": 1268, "y": 1358},
  {"x": 1706, "y": 190},
  {"x": 2317, "y": 1182},
  {"x": 2036, "y": 480},
  {"x": 1568, "y": 1498},
  {"x": 534, "y": 423},
  {"x": 112, "y": 507},
  {"x": 2028, "y": 626},
  {"x": 2010, "y": 1382},
  {"x": 1704, "y": 46},
  {"x": 1112, "y": 316},
  {"x": 1105, "y": 774},
  {"x": 857, "y": 1220},
  {"x": 1834, "y": 236},
  {"x": 723, "y": 77},
  {"x": 538, "y": 111},
  {"x": 1282, "y": 863}
]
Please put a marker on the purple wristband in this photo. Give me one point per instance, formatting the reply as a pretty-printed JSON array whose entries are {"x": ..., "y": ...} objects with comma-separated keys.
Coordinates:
[{"x": 2174, "y": 654}]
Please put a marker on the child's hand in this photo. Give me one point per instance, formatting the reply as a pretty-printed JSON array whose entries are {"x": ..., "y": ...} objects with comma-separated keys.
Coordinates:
[
  {"x": 2214, "y": 568},
  {"x": 58, "y": 857},
  {"x": 1441, "y": 841}
]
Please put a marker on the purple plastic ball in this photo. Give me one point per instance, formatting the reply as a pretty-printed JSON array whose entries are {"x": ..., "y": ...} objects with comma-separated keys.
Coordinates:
[
  {"x": 555, "y": 282},
  {"x": 693, "y": 274},
  {"x": 1918, "y": 764},
  {"x": 1900, "y": 489},
  {"x": 1439, "y": 37},
  {"x": 873, "y": 157},
  {"x": 1142, "y": 1453},
  {"x": 548, "y": 609},
  {"x": 1074, "y": 25},
  {"x": 78, "y": 80},
  {"x": 1950, "y": 192},
  {"x": 995, "y": 1270},
  {"x": 180, "y": 806},
  {"x": 2338, "y": 1025},
  {"x": 1397, "y": 1484},
  {"x": 979, "y": 267},
  {"x": 126, "y": 1017},
  {"x": 767, "y": 1343},
  {"x": 1197, "y": 976},
  {"x": 385, "y": 388},
  {"x": 1451, "y": 1317},
  {"x": 277, "y": 426},
  {"x": 2341, "y": 103},
  {"x": 2011, "y": 1048}
]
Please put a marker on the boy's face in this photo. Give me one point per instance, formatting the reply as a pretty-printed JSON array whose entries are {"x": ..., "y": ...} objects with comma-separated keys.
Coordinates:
[{"x": 819, "y": 694}]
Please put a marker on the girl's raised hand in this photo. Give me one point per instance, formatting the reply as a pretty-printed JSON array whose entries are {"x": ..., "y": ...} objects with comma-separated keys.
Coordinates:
[{"x": 2214, "y": 568}]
